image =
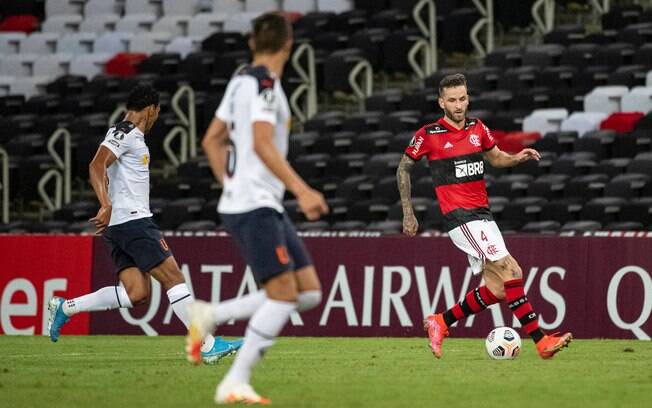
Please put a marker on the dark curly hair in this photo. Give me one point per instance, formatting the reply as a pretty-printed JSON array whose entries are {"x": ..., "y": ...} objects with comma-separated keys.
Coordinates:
[{"x": 141, "y": 97}]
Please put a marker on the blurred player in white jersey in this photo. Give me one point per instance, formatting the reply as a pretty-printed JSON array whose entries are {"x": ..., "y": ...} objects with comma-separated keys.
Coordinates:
[
  {"x": 246, "y": 145},
  {"x": 119, "y": 175}
]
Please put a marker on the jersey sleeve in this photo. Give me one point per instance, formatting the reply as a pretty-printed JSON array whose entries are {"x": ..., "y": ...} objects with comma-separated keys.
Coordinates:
[
  {"x": 117, "y": 141},
  {"x": 417, "y": 147},
  {"x": 487, "y": 140},
  {"x": 265, "y": 104},
  {"x": 223, "y": 112}
]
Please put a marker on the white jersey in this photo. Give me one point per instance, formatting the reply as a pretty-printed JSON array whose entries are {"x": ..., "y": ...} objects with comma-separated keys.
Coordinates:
[
  {"x": 129, "y": 175},
  {"x": 253, "y": 96}
]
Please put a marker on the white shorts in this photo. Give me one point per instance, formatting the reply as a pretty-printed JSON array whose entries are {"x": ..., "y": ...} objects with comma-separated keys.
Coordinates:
[{"x": 481, "y": 240}]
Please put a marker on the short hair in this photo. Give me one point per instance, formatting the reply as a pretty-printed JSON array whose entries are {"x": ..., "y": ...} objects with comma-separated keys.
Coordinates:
[
  {"x": 450, "y": 81},
  {"x": 270, "y": 33},
  {"x": 141, "y": 97}
]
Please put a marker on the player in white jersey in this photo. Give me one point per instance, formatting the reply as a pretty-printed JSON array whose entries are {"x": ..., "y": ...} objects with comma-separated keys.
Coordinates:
[
  {"x": 246, "y": 145},
  {"x": 119, "y": 175}
]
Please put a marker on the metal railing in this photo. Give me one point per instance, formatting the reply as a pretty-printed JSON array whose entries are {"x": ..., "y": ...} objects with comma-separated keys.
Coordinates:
[
  {"x": 428, "y": 46},
  {"x": 4, "y": 184},
  {"x": 117, "y": 114},
  {"x": 60, "y": 173},
  {"x": 545, "y": 23},
  {"x": 486, "y": 22},
  {"x": 602, "y": 6},
  {"x": 189, "y": 120},
  {"x": 365, "y": 88},
  {"x": 308, "y": 86}
]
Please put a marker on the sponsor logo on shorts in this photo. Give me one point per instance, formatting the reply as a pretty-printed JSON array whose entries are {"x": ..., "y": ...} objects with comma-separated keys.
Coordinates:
[{"x": 282, "y": 254}]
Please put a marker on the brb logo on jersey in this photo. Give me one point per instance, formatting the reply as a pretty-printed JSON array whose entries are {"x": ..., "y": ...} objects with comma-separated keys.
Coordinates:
[
  {"x": 474, "y": 139},
  {"x": 468, "y": 169}
]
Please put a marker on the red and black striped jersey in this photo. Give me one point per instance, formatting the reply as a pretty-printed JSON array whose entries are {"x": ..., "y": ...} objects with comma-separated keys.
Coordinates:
[{"x": 457, "y": 167}]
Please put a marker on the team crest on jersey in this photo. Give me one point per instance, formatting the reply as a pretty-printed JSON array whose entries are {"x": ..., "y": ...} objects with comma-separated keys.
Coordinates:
[
  {"x": 268, "y": 98},
  {"x": 474, "y": 139},
  {"x": 118, "y": 135}
]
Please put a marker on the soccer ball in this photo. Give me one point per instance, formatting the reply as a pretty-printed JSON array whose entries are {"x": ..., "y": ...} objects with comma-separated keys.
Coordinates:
[{"x": 503, "y": 343}]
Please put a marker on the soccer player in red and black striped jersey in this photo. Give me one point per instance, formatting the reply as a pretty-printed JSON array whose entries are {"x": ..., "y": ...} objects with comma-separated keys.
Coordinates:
[{"x": 456, "y": 148}]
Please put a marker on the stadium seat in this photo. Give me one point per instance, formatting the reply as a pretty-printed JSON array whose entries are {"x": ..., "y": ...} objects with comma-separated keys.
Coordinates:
[
  {"x": 175, "y": 25},
  {"x": 544, "y": 120},
  {"x": 18, "y": 65},
  {"x": 639, "y": 99},
  {"x": 204, "y": 24},
  {"x": 62, "y": 7},
  {"x": 384, "y": 164},
  {"x": 89, "y": 65},
  {"x": 523, "y": 209},
  {"x": 100, "y": 7},
  {"x": 622, "y": 122},
  {"x": 541, "y": 227},
  {"x": 612, "y": 167},
  {"x": 510, "y": 185},
  {"x": 605, "y": 99},
  {"x": 124, "y": 64},
  {"x": 149, "y": 43},
  {"x": 582, "y": 226},
  {"x": 52, "y": 66},
  {"x": 240, "y": 23},
  {"x": 112, "y": 43},
  {"x": 10, "y": 42},
  {"x": 602, "y": 209},
  {"x": 627, "y": 185},
  {"x": 583, "y": 122},
  {"x": 637, "y": 210},
  {"x": 183, "y": 46},
  {"x": 300, "y": 6},
  {"x": 260, "y": 6},
  {"x": 180, "y": 8},
  {"x": 62, "y": 24},
  {"x": 336, "y": 6},
  {"x": 24, "y": 24},
  {"x": 135, "y": 23},
  {"x": 99, "y": 23},
  {"x": 586, "y": 187},
  {"x": 39, "y": 43},
  {"x": 77, "y": 43},
  {"x": 565, "y": 34},
  {"x": 143, "y": 7},
  {"x": 548, "y": 186}
]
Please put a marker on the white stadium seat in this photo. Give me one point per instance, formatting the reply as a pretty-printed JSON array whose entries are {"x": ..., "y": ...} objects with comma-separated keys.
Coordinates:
[
  {"x": 639, "y": 99},
  {"x": 175, "y": 25},
  {"x": 39, "y": 43},
  {"x": 5, "y": 84},
  {"x": 19, "y": 65},
  {"x": 78, "y": 43},
  {"x": 10, "y": 42},
  {"x": 99, "y": 23},
  {"x": 183, "y": 45},
  {"x": 582, "y": 122},
  {"x": 544, "y": 120},
  {"x": 65, "y": 7},
  {"x": 336, "y": 6},
  {"x": 204, "y": 24},
  {"x": 62, "y": 24},
  {"x": 301, "y": 6},
  {"x": 98, "y": 7},
  {"x": 149, "y": 43},
  {"x": 29, "y": 86},
  {"x": 604, "y": 99},
  {"x": 180, "y": 8},
  {"x": 143, "y": 7},
  {"x": 228, "y": 6},
  {"x": 240, "y": 22},
  {"x": 112, "y": 43},
  {"x": 136, "y": 23},
  {"x": 52, "y": 66},
  {"x": 261, "y": 6},
  {"x": 89, "y": 65}
]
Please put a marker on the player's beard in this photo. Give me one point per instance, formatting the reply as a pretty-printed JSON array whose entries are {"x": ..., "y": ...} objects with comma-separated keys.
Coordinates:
[{"x": 455, "y": 116}]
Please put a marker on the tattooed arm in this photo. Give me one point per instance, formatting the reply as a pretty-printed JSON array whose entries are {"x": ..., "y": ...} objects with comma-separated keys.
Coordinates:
[{"x": 410, "y": 224}]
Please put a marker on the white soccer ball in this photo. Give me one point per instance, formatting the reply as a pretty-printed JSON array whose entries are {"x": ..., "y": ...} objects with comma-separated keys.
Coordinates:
[{"x": 503, "y": 343}]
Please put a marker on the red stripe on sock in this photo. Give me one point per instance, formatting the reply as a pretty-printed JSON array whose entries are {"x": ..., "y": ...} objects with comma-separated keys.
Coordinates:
[
  {"x": 457, "y": 312},
  {"x": 487, "y": 296},
  {"x": 473, "y": 304},
  {"x": 532, "y": 326}
]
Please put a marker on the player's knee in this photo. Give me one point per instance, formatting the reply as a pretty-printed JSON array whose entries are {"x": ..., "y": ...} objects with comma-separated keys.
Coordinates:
[
  {"x": 138, "y": 295},
  {"x": 497, "y": 288},
  {"x": 308, "y": 299},
  {"x": 515, "y": 270},
  {"x": 282, "y": 287}
]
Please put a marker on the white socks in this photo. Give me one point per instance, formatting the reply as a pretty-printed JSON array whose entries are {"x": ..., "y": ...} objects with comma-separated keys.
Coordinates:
[
  {"x": 264, "y": 326},
  {"x": 108, "y": 298},
  {"x": 180, "y": 298},
  {"x": 238, "y": 308},
  {"x": 308, "y": 299}
]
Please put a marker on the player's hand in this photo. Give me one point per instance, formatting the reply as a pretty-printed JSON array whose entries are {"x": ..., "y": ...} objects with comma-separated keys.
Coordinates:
[
  {"x": 101, "y": 220},
  {"x": 410, "y": 225},
  {"x": 527, "y": 154},
  {"x": 312, "y": 204}
]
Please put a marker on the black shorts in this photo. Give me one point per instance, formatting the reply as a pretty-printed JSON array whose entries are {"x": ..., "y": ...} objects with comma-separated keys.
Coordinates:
[
  {"x": 137, "y": 243},
  {"x": 268, "y": 242}
]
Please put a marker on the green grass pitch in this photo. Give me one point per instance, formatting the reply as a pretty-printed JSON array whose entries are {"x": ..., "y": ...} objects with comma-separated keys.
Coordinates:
[{"x": 135, "y": 371}]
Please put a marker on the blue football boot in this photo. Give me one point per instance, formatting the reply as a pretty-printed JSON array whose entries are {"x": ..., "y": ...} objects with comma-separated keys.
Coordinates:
[
  {"x": 57, "y": 318},
  {"x": 221, "y": 348}
]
